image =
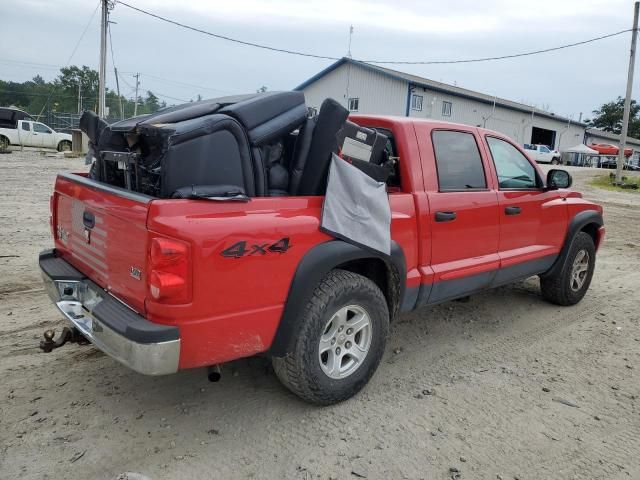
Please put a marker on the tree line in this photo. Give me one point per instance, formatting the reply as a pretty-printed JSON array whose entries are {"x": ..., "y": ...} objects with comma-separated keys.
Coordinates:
[{"x": 74, "y": 89}]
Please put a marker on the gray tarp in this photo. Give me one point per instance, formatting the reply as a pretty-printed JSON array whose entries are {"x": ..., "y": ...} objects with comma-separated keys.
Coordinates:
[{"x": 356, "y": 208}]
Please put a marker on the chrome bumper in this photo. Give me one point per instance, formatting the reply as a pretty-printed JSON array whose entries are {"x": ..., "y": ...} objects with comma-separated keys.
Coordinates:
[{"x": 79, "y": 299}]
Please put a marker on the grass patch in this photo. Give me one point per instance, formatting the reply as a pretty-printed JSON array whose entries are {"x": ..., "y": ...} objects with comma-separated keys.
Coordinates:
[{"x": 606, "y": 182}]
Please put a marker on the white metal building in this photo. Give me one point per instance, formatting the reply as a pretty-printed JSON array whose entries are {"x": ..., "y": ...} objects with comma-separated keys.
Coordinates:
[{"x": 367, "y": 88}]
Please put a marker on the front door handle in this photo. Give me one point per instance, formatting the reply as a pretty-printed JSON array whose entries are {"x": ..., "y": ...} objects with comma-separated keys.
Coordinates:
[
  {"x": 445, "y": 216},
  {"x": 88, "y": 219},
  {"x": 512, "y": 210}
]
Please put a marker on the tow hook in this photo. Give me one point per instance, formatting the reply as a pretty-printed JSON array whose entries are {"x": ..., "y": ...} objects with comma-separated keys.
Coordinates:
[{"x": 67, "y": 335}]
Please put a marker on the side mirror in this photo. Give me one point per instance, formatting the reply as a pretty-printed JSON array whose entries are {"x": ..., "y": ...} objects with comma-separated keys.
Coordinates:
[{"x": 558, "y": 179}]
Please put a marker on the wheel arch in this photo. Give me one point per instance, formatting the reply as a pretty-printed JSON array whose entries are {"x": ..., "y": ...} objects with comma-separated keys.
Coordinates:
[
  {"x": 588, "y": 221},
  {"x": 388, "y": 272}
]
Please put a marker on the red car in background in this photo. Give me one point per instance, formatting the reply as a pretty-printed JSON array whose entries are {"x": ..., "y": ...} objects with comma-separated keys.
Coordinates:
[{"x": 609, "y": 149}]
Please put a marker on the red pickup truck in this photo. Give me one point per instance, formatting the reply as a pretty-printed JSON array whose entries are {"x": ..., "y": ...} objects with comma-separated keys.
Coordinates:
[{"x": 163, "y": 283}]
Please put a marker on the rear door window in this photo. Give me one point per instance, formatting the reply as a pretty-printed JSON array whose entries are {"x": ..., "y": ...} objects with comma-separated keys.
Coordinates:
[
  {"x": 458, "y": 161},
  {"x": 513, "y": 169},
  {"x": 26, "y": 126}
]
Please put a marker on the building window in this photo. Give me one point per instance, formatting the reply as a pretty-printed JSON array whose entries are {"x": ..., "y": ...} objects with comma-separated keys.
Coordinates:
[
  {"x": 416, "y": 102},
  {"x": 446, "y": 109},
  {"x": 353, "y": 104}
]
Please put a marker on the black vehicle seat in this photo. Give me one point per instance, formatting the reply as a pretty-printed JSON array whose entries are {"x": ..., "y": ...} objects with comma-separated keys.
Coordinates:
[
  {"x": 277, "y": 173},
  {"x": 315, "y": 170},
  {"x": 300, "y": 154},
  {"x": 267, "y": 118}
]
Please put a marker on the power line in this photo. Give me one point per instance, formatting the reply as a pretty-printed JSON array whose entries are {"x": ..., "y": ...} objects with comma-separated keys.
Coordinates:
[
  {"x": 501, "y": 57},
  {"x": 223, "y": 37},
  {"x": 30, "y": 64},
  {"x": 158, "y": 94},
  {"x": 168, "y": 81},
  {"x": 190, "y": 85},
  {"x": 36, "y": 94},
  {"x": 390, "y": 62},
  {"x": 72, "y": 54}
]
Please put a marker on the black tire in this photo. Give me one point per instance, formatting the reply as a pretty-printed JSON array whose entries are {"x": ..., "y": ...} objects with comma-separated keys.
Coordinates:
[
  {"x": 64, "y": 146},
  {"x": 301, "y": 371},
  {"x": 4, "y": 143},
  {"x": 555, "y": 162},
  {"x": 560, "y": 288}
]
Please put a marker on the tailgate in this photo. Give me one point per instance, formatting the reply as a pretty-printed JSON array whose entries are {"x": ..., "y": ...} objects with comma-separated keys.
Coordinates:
[{"x": 101, "y": 230}]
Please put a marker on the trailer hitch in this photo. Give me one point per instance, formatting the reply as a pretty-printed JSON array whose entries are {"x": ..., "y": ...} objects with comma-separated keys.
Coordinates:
[{"x": 72, "y": 335}]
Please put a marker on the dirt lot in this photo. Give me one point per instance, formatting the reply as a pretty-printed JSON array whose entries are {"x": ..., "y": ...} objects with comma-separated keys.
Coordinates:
[{"x": 504, "y": 386}]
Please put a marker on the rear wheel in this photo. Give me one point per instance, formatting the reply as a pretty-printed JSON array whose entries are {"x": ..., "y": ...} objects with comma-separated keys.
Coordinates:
[
  {"x": 4, "y": 143},
  {"x": 570, "y": 284},
  {"x": 339, "y": 342},
  {"x": 64, "y": 146}
]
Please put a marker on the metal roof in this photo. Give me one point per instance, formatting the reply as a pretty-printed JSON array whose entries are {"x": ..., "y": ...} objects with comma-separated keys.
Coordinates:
[
  {"x": 440, "y": 87},
  {"x": 595, "y": 132}
]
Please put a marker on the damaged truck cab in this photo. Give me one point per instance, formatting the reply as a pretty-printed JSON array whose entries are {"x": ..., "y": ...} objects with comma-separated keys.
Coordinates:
[{"x": 196, "y": 237}]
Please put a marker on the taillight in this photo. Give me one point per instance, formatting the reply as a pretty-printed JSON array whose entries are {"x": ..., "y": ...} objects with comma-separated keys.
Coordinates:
[
  {"x": 52, "y": 213},
  {"x": 169, "y": 270}
]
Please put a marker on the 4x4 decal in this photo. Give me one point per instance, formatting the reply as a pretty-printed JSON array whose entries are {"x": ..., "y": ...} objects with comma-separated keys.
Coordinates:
[{"x": 242, "y": 248}]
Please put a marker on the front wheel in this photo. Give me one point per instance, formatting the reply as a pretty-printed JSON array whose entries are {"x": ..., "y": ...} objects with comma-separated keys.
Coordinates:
[
  {"x": 555, "y": 161},
  {"x": 570, "y": 284},
  {"x": 339, "y": 341}
]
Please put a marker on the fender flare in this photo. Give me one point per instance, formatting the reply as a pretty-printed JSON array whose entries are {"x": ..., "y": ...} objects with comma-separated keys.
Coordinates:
[
  {"x": 581, "y": 220},
  {"x": 313, "y": 267}
]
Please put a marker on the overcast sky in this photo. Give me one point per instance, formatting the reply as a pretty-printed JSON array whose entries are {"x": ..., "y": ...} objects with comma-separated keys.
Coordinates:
[{"x": 569, "y": 81}]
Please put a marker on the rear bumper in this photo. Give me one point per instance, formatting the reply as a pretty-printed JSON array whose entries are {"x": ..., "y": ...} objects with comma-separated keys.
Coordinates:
[{"x": 143, "y": 346}]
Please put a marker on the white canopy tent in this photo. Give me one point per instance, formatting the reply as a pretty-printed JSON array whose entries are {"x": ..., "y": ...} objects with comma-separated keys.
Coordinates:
[
  {"x": 579, "y": 155},
  {"x": 582, "y": 148}
]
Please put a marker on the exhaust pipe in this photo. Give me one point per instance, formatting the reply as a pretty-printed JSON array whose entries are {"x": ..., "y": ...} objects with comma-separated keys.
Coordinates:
[{"x": 213, "y": 373}]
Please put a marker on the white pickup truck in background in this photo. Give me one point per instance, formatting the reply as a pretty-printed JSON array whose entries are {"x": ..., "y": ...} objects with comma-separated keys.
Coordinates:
[
  {"x": 28, "y": 133},
  {"x": 542, "y": 154}
]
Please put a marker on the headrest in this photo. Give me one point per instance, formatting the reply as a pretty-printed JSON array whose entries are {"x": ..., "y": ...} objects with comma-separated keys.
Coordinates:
[{"x": 269, "y": 115}]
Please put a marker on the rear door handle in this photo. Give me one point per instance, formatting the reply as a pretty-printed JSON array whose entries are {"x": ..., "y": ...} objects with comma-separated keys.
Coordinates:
[
  {"x": 445, "y": 216},
  {"x": 512, "y": 210}
]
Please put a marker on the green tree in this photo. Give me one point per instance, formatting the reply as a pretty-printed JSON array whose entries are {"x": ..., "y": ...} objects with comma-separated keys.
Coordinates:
[
  {"x": 61, "y": 94},
  {"x": 609, "y": 117},
  {"x": 151, "y": 103}
]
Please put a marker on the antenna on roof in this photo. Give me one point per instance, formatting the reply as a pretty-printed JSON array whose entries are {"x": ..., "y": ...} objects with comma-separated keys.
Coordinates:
[{"x": 350, "y": 35}]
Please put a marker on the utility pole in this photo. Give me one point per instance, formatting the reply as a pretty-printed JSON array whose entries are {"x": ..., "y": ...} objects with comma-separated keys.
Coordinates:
[
  {"x": 135, "y": 104},
  {"x": 115, "y": 70},
  {"x": 80, "y": 97},
  {"x": 350, "y": 37},
  {"x": 103, "y": 59},
  {"x": 627, "y": 99}
]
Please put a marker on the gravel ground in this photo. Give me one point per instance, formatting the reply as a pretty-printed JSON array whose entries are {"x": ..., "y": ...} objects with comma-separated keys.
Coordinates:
[{"x": 503, "y": 386}]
